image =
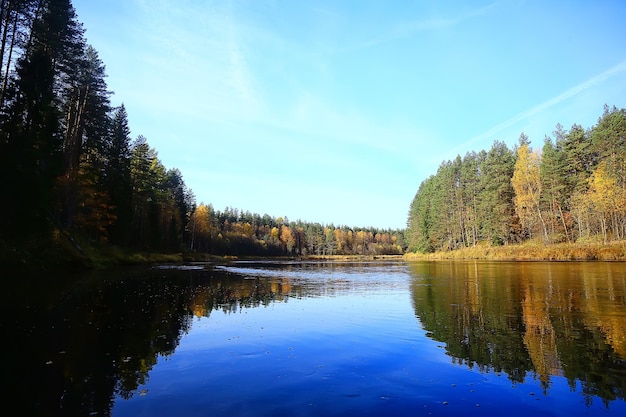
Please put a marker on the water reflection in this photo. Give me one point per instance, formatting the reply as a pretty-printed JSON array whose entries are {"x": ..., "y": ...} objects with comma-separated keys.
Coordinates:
[
  {"x": 75, "y": 349},
  {"x": 78, "y": 342},
  {"x": 72, "y": 349},
  {"x": 546, "y": 319}
]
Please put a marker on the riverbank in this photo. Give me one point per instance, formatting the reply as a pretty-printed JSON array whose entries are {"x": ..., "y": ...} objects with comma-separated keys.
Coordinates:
[
  {"x": 61, "y": 251},
  {"x": 532, "y": 251},
  {"x": 68, "y": 254},
  {"x": 348, "y": 258}
]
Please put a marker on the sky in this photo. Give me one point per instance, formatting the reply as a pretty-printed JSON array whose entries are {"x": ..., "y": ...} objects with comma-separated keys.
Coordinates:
[{"x": 335, "y": 111}]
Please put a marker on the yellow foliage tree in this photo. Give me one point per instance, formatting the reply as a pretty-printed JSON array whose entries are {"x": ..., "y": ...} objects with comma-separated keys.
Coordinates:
[
  {"x": 526, "y": 182},
  {"x": 201, "y": 227},
  {"x": 607, "y": 200},
  {"x": 286, "y": 237},
  {"x": 274, "y": 232},
  {"x": 340, "y": 238}
]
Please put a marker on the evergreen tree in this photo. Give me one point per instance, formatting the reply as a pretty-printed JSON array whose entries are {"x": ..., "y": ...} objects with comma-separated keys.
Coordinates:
[
  {"x": 497, "y": 219},
  {"x": 32, "y": 127},
  {"x": 86, "y": 103},
  {"x": 420, "y": 218},
  {"x": 608, "y": 140},
  {"x": 118, "y": 181},
  {"x": 16, "y": 22},
  {"x": 180, "y": 208},
  {"x": 580, "y": 158},
  {"x": 553, "y": 184},
  {"x": 143, "y": 193},
  {"x": 470, "y": 182},
  {"x": 442, "y": 233}
]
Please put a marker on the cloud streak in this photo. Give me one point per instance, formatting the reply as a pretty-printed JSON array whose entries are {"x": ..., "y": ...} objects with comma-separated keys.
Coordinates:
[
  {"x": 410, "y": 28},
  {"x": 564, "y": 96},
  {"x": 202, "y": 53}
]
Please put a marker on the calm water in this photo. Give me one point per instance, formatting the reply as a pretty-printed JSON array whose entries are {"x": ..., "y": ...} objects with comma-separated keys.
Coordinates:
[{"x": 287, "y": 339}]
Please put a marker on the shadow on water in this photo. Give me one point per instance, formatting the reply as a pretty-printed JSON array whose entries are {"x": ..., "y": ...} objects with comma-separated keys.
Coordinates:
[
  {"x": 537, "y": 320},
  {"x": 75, "y": 342}
]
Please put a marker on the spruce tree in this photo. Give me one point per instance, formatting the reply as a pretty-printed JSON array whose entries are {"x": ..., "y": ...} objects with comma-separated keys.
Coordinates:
[{"x": 118, "y": 181}]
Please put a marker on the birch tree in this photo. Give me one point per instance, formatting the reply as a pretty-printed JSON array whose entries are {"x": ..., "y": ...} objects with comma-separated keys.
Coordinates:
[{"x": 526, "y": 182}]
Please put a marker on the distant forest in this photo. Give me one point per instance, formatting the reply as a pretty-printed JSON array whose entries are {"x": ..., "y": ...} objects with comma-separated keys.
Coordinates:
[
  {"x": 71, "y": 170},
  {"x": 572, "y": 189},
  {"x": 237, "y": 232}
]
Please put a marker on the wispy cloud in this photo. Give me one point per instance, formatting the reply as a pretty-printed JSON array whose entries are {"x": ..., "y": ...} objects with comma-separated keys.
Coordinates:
[
  {"x": 437, "y": 23},
  {"x": 202, "y": 53},
  {"x": 560, "y": 98},
  {"x": 409, "y": 28}
]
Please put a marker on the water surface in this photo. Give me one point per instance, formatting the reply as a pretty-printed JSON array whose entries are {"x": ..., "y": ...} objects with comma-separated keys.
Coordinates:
[{"x": 318, "y": 338}]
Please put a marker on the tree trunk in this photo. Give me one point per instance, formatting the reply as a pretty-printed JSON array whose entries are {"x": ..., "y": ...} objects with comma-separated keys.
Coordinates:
[
  {"x": 4, "y": 25},
  {"x": 73, "y": 151},
  {"x": 564, "y": 224},
  {"x": 7, "y": 70}
]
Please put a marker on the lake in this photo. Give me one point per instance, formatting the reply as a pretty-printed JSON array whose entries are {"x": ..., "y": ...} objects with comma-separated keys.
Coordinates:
[{"x": 269, "y": 338}]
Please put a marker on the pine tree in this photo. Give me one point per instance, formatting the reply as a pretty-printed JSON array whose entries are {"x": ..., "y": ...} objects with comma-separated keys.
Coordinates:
[
  {"x": 420, "y": 218},
  {"x": 553, "y": 184},
  {"x": 470, "y": 181},
  {"x": 86, "y": 103},
  {"x": 608, "y": 140},
  {"x": 180, "y": 208},
  {"x": 118, "y": 181},
  {"x": 16, "y": 23},
  {"x": 32, "y": 127},
  {"x": 497, "y": 221}
]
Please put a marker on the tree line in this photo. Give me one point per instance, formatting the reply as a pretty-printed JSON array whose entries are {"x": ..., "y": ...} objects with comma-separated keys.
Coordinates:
[
  {"x": 237, "y": 232},
  {"x": 71, "y": 169},
  {"x": 572, "y": 189}
]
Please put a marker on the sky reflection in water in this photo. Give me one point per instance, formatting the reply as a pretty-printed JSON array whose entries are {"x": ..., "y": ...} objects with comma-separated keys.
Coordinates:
[{"x": 339, "y": 339}]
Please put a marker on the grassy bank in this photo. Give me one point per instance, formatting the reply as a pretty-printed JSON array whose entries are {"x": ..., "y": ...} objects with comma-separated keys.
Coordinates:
[
  {"x": 62, "y": 251},
  {"x": 533, "y": 251},
  {"x": 350, "y": 257}
]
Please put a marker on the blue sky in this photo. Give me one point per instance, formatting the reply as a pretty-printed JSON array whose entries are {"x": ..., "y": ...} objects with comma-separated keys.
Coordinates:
[{"x": 336, "y": 111}]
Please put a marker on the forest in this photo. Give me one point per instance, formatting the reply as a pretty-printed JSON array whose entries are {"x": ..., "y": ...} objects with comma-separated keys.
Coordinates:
[
  {"x": 72, "y": 172},
  {"x": 572, "y": 189},
  {"x": 236, "y": 232}
]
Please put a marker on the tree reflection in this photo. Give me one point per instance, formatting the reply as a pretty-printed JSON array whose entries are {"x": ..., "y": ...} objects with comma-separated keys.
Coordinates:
[
  {"x": 546, "y": 319},
  {"x": 73, "y": 351}
]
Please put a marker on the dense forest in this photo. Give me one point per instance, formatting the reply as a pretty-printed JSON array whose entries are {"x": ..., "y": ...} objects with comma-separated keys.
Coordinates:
[
  {"x": 68, "y": 153},
  {"x": 236, "y": 232},
  {"x": 572, "y": 189},
  {"x": 72, "y": 173}
]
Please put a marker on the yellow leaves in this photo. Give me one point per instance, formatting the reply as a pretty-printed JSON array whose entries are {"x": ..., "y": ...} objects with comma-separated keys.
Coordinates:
[
  {"x": 526, "y": 182},
  {"x": 285, "y": 234},
  {"x": 605, "y": 195},
  {"x": 247, "y": 229},
  {"x": 243, "y": 229},
  {"x": 201, "y": 219},
  {"x": 287, "y": 238},
  {"x": 602, "y": 205},
  {"x": 526, "y": 179}
]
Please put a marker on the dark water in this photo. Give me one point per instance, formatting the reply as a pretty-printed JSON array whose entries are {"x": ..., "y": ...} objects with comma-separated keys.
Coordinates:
[{"x": 329, "y": 339}]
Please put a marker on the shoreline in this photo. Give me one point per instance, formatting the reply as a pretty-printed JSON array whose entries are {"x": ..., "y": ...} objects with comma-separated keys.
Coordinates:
[
  {"x": 63, "y": 256},
  {"x": 531, "y": 251}
]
